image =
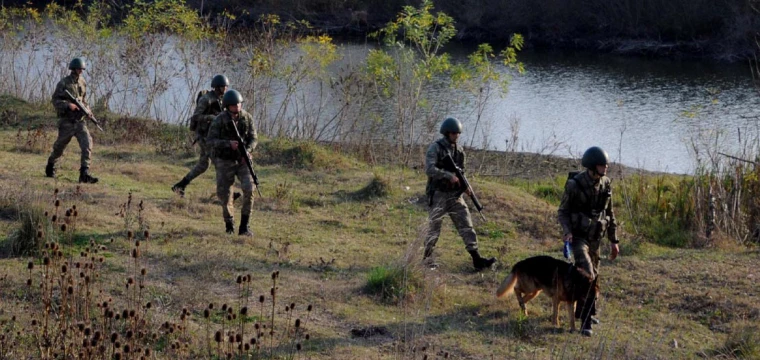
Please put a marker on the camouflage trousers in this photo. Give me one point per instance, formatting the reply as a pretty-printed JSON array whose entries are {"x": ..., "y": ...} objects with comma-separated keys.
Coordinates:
[
  {"x": 66, "y": 130},
  {"x": 226, "y": 171},
  {"x": 203, "y": 162},
  {"x": 586, "y": 254},
  {"x": 451, "y": 203}
]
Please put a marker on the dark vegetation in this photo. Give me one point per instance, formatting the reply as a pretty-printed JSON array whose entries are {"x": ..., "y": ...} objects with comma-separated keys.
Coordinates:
[{"x": 724, "y": 30}]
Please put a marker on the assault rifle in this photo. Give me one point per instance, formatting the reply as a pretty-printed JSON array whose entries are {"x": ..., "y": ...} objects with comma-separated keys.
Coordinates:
[
  {"x": 84, "y": 109},
  {"x": 450, "y": 165},
  {"x": 247, "y": 157}
]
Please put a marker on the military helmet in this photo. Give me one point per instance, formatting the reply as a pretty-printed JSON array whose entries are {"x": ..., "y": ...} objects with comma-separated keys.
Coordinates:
[
  {"x": 594, "y": 156},
  {"x": 220, "y": 81},
  {"x": 451, "y": 125},
  {"x": 77, "y": 63},
  {"x": 231, "y": 97}
]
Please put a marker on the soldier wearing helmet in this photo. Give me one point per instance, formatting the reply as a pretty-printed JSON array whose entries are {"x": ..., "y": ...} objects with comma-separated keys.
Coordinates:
[
  {"x": 207, "y": 108},
  {"x": 444, "y": 190},
  {"x": 223, "y": 142},
  {"x": 585, "y": 214},
  {"x": 72, "y": 122}
]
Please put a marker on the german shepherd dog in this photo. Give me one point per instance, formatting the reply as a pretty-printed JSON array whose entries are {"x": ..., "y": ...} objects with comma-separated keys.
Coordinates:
[{"x": 561, "y": 281}]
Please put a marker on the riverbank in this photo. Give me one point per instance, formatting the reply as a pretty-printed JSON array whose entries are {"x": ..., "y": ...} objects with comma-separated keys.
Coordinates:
[{"x": 330, "y": 225}]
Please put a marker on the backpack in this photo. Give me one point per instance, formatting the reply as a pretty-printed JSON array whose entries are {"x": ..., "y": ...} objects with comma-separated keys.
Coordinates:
[{"x": 193, "y": 120}]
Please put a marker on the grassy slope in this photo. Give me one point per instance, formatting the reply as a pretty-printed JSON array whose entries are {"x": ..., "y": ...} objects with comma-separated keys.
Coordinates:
[{"x": 652, "y": 295}]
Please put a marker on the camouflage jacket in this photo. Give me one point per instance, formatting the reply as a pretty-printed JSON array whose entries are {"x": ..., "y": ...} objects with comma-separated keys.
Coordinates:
[
  {"x": 206, "y": 109},
  {"x": 77, "y": 87},
  {"x": 222, "y": 131},
  {"x": 586, "y": 208},
  {"x": 438, "y": 177}
]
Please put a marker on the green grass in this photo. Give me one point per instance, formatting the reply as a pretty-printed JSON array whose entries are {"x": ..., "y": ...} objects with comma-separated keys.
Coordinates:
[{"x": 332, "y": 247}]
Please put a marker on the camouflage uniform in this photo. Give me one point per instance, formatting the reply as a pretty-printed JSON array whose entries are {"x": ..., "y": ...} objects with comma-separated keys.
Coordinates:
[
  {"x": 586, "y": 212},
  {"x": 229, "y": 163},
  {"x": 71, "y": 123},
  {"x": 443, "y": 199},
  {"x": 208, "y": 107}
]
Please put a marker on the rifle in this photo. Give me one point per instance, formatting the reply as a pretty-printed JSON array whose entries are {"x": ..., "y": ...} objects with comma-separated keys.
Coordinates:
[
  {"x": 452, "y": 166},
  {"x": 84, "y": 109},
  {"x": 247, "y": 157}
]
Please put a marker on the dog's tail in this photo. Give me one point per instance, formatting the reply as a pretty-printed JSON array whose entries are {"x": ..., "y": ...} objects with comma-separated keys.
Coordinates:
[{"x": 507, "y": 286}]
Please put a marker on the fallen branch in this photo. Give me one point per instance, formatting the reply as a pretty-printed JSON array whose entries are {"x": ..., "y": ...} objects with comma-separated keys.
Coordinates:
[{"x": 740, "y": 159}]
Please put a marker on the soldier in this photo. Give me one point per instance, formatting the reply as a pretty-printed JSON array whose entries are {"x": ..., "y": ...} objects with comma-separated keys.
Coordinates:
[
  {"x": 223, "y": 141},
  {"x": 72, "y": 121},
  {"x": 207, "y": 108},
  {"x": 444, "y": 191},
  {"x": 585, "y": 213}
]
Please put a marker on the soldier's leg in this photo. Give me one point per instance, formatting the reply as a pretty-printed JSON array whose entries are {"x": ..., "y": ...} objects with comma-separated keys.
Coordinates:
[
  {"x": 246, "y": 182},
  {"x": 85, "y": 144},
  {"x": 594, "y": 255},
  {"x": 65, "y": 133},
  {"x": 584, "y": 263},
  {"x": 225, "y": 177},
  {"x": 435, "y": 219},
  {"x": 201, "y": 166},
  {"x": 460, "y": 215}
]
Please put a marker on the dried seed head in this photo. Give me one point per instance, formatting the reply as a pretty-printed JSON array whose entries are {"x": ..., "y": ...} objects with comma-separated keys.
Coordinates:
[
  {"x": 63, "y": 227},
  {"x": 70, "y": 290},
  {"x": 292, "y": 306},
  {"x": 54, "y": 218},
  {"x": 148, "y": 305},
  {"x": 211, "y": 306},
  {"x": 64, "y": 268},
  {"x": 143, "y": 271},
  {"x": 238, "y": 338},
  {"x": 239, "y": 279},
  {"x": 68, "y": 212},
  {"x": 46, "y": 261},
  {"x": 218, "y": 336},
  {"x": 130, "y": 234},
  {"x": 261, "y": 298},
  {"x": 298, "y": 346},
  {"x": 244, "y": 310},
  {"x": 146, "y": 234},
  {"x": 298, "y": 323},
  {"x": 253, "y": 341},
  {"x": 75, "y": 213},
  {"x": 57, "y": 203},
  {"x": 206, "y": 313},
  {"x": 137, "y": 243},
  {"x": 308, "y": 308},
  {"x": 307, "y": 337},
  {"x": 224, "y": 307},
  {"x": 114, "y": 337},
  {"x": 30, "y": 265},
  {"x": 39, "y": 234}
]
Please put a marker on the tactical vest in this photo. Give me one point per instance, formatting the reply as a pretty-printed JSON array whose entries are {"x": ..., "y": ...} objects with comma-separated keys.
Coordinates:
[
  {"x": 458, "y": 156},
  {"x": 587, "y": 212}
]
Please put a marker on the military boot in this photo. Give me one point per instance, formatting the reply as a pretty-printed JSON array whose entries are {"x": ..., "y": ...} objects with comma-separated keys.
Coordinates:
[
  {"x": 586, "y": 329},
  {"x": 229, "y": 226},
  {"x": 50, "y": 170},
  {"x": 480, "y": 262},
  {"x": 179, "y": 187},
  {"x": 86, "y": 178},
  {"x": 244, "y": 226},
  {"x": 429, "y": 259}
]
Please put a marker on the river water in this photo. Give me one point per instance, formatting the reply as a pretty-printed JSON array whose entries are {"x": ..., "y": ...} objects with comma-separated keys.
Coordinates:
[{"x": 646, "y": 113}]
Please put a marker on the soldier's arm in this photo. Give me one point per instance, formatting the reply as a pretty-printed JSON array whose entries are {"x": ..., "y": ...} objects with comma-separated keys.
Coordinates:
[
  {"x": 251, "y": 137},
  {"x": 564, "y": 211},
  {"x": 213, "y": 138},
  {"x": 84, "y": 94},
  {"x": 612, "y": 226},
  {"x": 59, "y": 99},
  {"x": 201, "y": 107},
  {"x": 431, "y": 157}
]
